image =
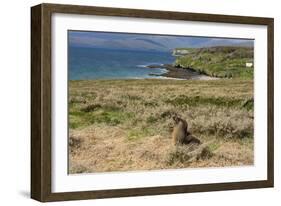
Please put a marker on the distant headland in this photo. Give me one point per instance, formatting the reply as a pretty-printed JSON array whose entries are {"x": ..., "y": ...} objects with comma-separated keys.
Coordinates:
[{"x": 210, "y": 63}]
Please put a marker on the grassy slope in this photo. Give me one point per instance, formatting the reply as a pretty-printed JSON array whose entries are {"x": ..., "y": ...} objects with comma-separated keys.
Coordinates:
[
  {"x": 125, "y": 124},
  {"x": 223, "y": 62}
]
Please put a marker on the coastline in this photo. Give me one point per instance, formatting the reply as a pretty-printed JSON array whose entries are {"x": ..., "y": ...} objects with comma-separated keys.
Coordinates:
[{"x": 180, "y": 73}]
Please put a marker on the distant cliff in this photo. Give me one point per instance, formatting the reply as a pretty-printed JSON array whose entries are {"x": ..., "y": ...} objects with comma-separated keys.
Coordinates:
[{"x": 225, "y": 62}]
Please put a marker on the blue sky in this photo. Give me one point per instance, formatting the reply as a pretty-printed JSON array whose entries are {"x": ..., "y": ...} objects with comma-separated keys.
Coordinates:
[{"x": 147, "y": 42}]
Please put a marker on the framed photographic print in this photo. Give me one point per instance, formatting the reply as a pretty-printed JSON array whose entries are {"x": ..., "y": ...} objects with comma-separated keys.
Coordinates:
[{"x": 130, "y": 102}]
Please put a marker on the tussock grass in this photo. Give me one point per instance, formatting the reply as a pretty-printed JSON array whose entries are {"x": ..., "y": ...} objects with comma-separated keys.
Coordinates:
[
  {"x": 219, "y": 101},
  {"x": 120, "y": 125}
]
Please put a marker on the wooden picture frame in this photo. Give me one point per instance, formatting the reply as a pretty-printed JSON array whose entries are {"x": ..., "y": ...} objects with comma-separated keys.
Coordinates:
[{"x": 41, "y": 164}]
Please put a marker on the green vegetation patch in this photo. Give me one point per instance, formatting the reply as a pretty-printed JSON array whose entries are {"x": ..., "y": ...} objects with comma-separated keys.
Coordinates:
[
  {"x": 215, "y": 101},
  {"x": 96, "y": 113},
  {"x": 248, "y": 104},
  {"x": 152, "y": 119},
  {"x": 91, "y": 107},
  {"x": 213, "y": 146},
  {"x": 95, "y": 107},
  {"x": 223, "y": 62}
]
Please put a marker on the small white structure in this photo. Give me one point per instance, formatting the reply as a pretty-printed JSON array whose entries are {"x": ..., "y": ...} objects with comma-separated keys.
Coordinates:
[
  {"x": 180, "y": 52},
  {"x": 249, "y": 64}
]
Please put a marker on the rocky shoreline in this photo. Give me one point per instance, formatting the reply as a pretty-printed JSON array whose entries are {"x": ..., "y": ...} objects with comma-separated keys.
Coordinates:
[{"x": 180, "y": 73}]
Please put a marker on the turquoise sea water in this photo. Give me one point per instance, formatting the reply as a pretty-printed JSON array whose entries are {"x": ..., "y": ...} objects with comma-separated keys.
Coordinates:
[{"x": 94, "y": 63}]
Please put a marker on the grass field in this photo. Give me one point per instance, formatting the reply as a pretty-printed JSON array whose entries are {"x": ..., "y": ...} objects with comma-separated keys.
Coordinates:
[{"x": 121, "y": 125}]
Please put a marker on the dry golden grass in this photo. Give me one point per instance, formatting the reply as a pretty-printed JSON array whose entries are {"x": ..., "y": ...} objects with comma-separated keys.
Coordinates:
[{"x": 121, "y": 125}]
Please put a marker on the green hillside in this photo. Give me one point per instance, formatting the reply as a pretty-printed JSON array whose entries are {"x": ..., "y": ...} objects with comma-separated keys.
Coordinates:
[{"x": 224, "y": 62}]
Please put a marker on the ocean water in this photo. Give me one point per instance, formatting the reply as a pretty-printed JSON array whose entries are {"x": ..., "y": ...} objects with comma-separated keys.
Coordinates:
[{"x": 93, "y": 63}]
